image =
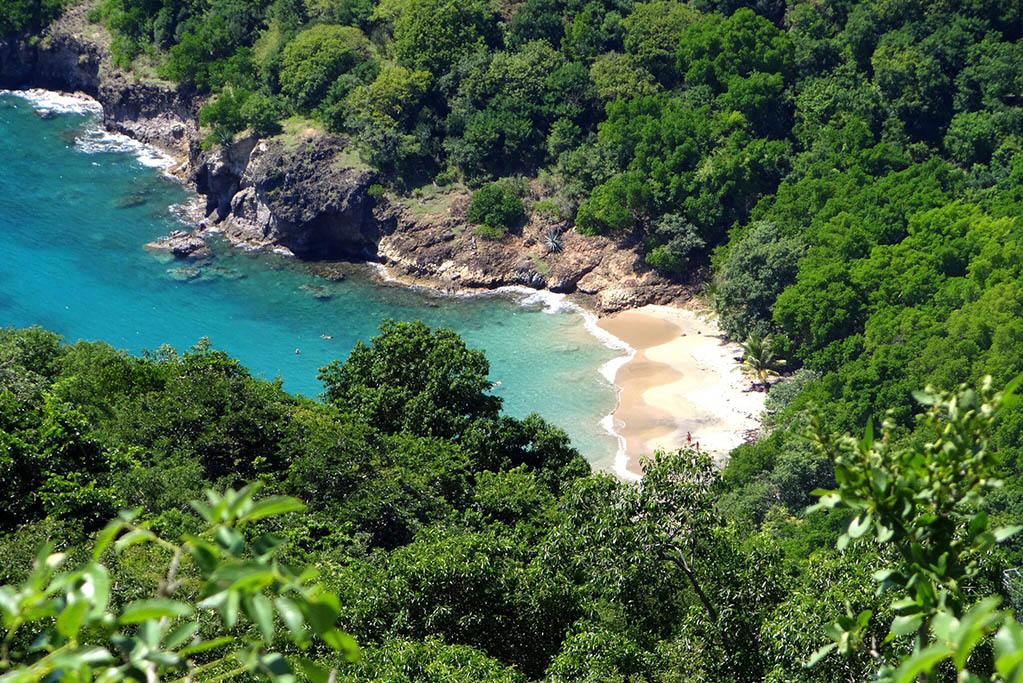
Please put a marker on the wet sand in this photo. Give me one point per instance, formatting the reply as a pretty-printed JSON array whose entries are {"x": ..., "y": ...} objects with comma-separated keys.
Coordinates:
[{"x": 683, "y": 380}]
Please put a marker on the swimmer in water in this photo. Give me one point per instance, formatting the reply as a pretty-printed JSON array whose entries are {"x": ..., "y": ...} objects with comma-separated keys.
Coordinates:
[
  {"x": 326, "y": 336},
  {"x": 298, "y": 351}
]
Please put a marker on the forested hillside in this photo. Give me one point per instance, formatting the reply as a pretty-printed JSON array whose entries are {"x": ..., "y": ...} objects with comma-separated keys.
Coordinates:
[
  {"x": 451, "y": 542},
  {"x": 675, "y": 121}
]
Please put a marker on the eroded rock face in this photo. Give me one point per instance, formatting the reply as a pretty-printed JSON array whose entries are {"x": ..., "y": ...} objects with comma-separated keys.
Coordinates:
[
  {"x": 306, "y": 196},
  {"x": 72, "y": 57},
  {"x": 444, "y": 251}
]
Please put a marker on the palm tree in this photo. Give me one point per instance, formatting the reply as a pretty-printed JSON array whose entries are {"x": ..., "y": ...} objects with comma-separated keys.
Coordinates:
[{"x": 757, "y": 358}]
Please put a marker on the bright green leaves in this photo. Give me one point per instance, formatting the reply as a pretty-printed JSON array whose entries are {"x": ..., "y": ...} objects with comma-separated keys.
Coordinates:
[
  {"x": 925, "y": 503},
  {"x": 82, "y": 637},
  {"x": 155, "y": 608},
  {"x": 955, "y": 640},
  {"x": 238, "y": 508},
  {"x": 1009, "y": 652}
]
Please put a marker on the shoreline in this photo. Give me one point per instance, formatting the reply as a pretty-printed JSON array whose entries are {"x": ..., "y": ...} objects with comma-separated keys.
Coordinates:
[
  {"x": 644, "y": 417},
  {"x": 681, "y": 387}
]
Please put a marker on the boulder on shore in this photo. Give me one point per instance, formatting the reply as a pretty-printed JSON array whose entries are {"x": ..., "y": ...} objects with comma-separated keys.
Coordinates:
[{"x": 182, "y": 245}]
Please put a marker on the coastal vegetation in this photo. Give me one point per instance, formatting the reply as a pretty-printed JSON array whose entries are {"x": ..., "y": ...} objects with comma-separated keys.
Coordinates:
[
  {"x": 846, "y": 173},
  {"x": 451, "y": 542}
]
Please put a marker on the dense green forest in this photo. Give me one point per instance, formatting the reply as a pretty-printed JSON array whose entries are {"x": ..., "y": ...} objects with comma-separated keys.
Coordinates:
[
  {"x": 454, "y": 543},
  {"x": 849, "y": 173}
]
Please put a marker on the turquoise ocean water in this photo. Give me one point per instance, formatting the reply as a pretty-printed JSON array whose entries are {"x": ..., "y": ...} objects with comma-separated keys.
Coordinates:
[{"x": 77, "y": 204}]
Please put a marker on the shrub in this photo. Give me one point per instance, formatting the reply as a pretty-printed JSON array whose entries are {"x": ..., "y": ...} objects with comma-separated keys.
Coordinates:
[
  {"x": 496, "y": 208},
  {"x": 673, "y": 242},
  {"x": 317, "y": 57},
  {"x": 491, "y": 233},
  {"x": 549, "y": 209},
  {"x": 234, "y": 110}
]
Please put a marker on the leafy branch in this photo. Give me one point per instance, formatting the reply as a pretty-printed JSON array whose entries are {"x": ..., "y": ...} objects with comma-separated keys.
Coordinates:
[{"x": 79, "y": 633}]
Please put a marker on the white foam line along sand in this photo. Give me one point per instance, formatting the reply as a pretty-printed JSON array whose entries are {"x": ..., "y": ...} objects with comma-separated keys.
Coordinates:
[
  {"x": 553, "y": 303},
  {"x": 682, "y": 386}
]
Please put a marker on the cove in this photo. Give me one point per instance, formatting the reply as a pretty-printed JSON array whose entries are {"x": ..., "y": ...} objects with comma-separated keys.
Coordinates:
[{"x": 77, "y": 204}]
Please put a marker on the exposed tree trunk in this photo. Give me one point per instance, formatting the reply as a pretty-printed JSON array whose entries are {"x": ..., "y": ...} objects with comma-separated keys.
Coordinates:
[{"x": 680, "y": 559}]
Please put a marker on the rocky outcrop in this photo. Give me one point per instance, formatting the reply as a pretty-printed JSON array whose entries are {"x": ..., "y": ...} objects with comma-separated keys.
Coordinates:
[
  {"x": 308, "y": 196},
  {"x": 182, "y": 245},
  {"x": 72, "y": 56},
  {"x": 440, "y": 249}
]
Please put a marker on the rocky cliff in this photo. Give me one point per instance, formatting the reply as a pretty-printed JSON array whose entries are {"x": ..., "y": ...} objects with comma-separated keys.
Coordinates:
[
  {"x": 307, "y": 194},
  {"x": 72, "y": 56}
]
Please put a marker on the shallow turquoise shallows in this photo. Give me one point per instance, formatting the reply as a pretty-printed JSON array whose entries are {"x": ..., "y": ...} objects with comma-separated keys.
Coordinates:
[{"x": 76, "y": 206}]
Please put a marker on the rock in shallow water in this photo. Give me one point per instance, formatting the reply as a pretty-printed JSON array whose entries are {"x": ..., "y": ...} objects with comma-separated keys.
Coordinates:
[
  {"x": 184, "y": 273},
  {"x": 224, "y": 273},
  {"x": 181, "y": 244},
  {"x": 321, "y": 292}
]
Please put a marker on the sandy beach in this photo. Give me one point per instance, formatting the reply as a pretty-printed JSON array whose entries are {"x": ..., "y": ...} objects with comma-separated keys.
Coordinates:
[{"x": 684, "y": 379}]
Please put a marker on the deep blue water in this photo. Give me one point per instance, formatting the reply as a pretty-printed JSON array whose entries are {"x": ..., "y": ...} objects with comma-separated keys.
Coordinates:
[{"x": 76, "y": 206}]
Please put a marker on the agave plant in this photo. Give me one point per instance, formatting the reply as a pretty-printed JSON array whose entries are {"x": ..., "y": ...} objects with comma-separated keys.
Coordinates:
[{"x": 552, "y": 240}]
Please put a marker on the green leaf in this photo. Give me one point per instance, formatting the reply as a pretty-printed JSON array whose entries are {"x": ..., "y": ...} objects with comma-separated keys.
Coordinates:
[
  {"x": 320, "y": 615},
  {"x": 276, "y": 667},
  {"x": 343, "y": 643},
  {"x": 69, "y": 621},
  {"x": 205, "y": 645},
  {"x": 204, "y": 510},
  {"x": 868, "y": 436},
  {"x": 206, "y": 555},
  {"x": 180, "y": 633},
  {"x": 230, "y": 540},
  {"x": 925, "y": 398},
  {"x": 97, "y": 583},
  {"x": 1009, "y": 651},
  {"x": 134, "y": 538},
  {"x": 153, "y": 608},
  {"x": 1007, "y": 532},
  {"x": 242, "y": 498},
  {"x": 860, "y": 525},
  {"x": 293, "y": 619},
  {"x": 271, "y": 507},
  {"x": 978, "y": 524},
  {"x": 944, "y": 625},
  {"x": 259, "y": 610},
  {"x": 902, "y": 626},
  {"x": 819, "y": 655},
  {"x": 106, "y": 537},
  {"x": 229, "y": 610},
  {"x": 267, "y": 544},
  {"x": 973, "y": 627},
  {"x": 921, "y": 662},
  {"x": 313, "y": 671}
]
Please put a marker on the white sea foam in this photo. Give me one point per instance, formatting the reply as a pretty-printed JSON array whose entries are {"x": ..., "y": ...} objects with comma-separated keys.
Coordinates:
[
  {"x": 94, "y": 139},
  {"x": 554, "y": 302},
  {"x": 99, "y": 141},
  {"x": 60, "y": 103}
]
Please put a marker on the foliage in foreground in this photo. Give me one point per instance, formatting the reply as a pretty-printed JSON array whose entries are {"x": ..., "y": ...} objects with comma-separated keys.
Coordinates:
[
  {"x": 925, "y": 504},
  {"x": 461, "y": 544},
  {"x": 74, "y": 626}
]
